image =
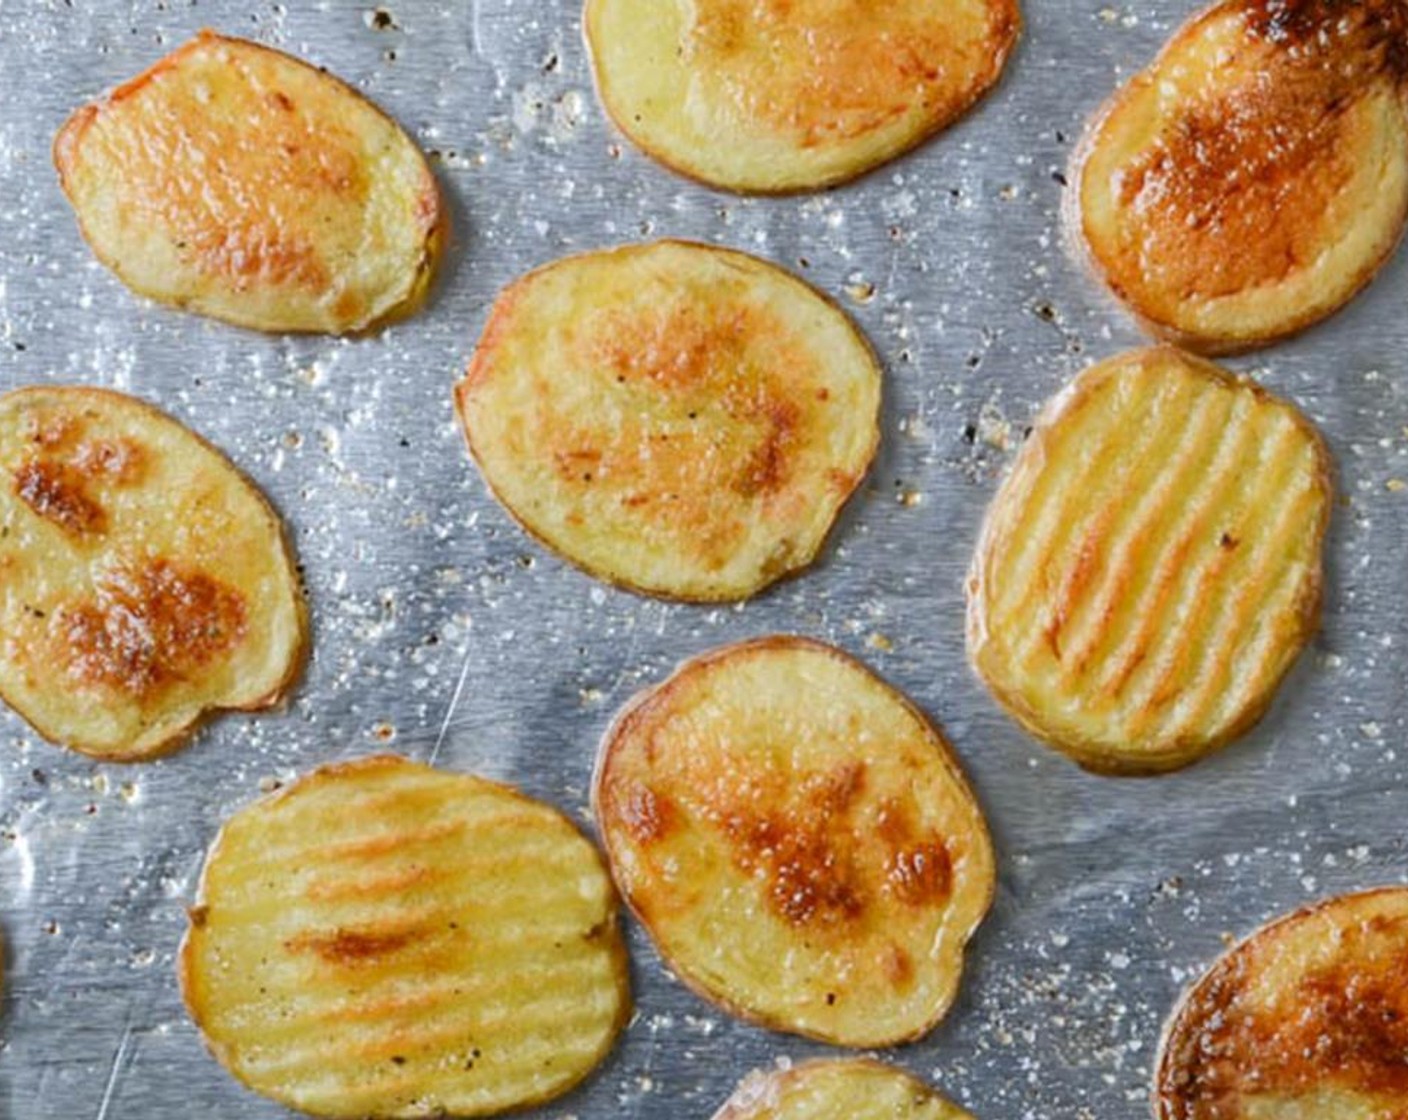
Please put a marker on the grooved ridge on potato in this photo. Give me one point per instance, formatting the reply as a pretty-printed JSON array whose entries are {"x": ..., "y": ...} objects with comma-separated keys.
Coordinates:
[
  {"x": 147, "y": 582},
  {"x": 383, "y": 939},
  {"x": 1151, "y": 567},
  {"x": 244, "y": 184},
  {"x": 1255, "y": 176},
  {"x": 682, "y": 420},
  {"x": 798, "y": 839},
  {"x": 1307, "y": 1018},
  {"x": 788, "y": 95}
]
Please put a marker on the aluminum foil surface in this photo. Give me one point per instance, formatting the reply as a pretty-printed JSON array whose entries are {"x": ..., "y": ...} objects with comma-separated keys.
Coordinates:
[{"x": 443, "y": 632}]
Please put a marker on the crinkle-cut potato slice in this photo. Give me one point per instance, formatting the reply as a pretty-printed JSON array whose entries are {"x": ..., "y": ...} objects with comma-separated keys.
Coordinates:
[
  {"x": 147, "y": 582},
  {"x": 383, "y": 939},
  {"x": 799, "y": 841},
  {"x": 844, "y": 1089},
  {"x": 1151, "y": 567},
  {"x": 772, "y": 96},
  {"x": 244, "y": 184},
  {"x": 1307, "y": 1019},
  {"x": 682, "y": 420},
  {"x": 1255, "y": 176}
]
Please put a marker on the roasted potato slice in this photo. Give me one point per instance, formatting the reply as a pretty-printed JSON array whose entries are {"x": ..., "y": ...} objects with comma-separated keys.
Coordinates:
[
  {"x": 244, "y": 184},
  {"x": 382, "y": 939},
  {"x": 1307, "y": 1018},
  {"x": 682, "y": 420},
  {"x": 147, "y": 581},
  {"x": 851, "y": 1089},
  {"x": 1255, "y": 177},
  {"x": 1151, "y": 567},
  {"x": 798, "y": 839},
  {"x": 791, "y": 95}
]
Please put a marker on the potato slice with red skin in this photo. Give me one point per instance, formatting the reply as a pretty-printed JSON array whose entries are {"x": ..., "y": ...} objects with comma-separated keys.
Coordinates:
[
  {"x": 147, "y": 581},
  {"x": 1308, "y": 1017},
  {"x": 242, "y": 183},
  {"x": 789, "y": 95},
  {"x": 682, "y": 420},
  {"x": 851, "y": 1088},
  {"x": 384, "y": 939},
  {"x": 798, "y": 840},
  {"x": 1255, "y": 176}
]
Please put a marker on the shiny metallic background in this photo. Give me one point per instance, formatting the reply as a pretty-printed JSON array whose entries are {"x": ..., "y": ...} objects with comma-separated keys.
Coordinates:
[{"x": 443, "y": 632}]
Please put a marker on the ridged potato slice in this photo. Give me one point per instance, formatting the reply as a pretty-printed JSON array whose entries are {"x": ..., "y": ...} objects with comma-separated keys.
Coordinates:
[
  {"x": 147, "y": 581},
  {"x": 1151, "y": 567},
  {"x": 1305, "y": 1020},
  {"x": 789, "y": 95},
  {"x": 678, "y": 419},
  {"x": 1255, "y": 176},
  {"x": 382, "y": 939},
  {"x": 846, "y": 1089},
  {"x": 798, "y": 840},
  {"x": 244, "y": 184}
]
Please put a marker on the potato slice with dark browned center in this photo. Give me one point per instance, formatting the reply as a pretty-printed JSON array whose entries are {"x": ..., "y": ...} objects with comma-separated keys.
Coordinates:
[
  {"x": 242, "y": 183},
  {"x": 799, "y": 841},
  {"x": 787, "y": 95},
  {"x": 1151, "y": 567},
  {"x": 849, "y": 1089},
  {"x": 678, "y": 419},
  {"x": 146, "y": 580},
  {"x": 382, "y": 939},
  {"x": 1255, "y": 177},
  {"x": 1305, "y": 1020}
]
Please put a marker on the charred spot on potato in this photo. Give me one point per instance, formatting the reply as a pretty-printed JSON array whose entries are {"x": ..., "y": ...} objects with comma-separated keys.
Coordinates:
[
  {"x": 1337, "y": 1016},
  {"x": 55, "y": 492},
  {"x": 147, "y": 626}
]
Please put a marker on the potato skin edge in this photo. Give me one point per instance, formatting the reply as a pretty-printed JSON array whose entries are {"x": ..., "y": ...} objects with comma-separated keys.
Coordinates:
[
  {"x": 630, "y": 713},
  {"x": 1100, "y": 760}
]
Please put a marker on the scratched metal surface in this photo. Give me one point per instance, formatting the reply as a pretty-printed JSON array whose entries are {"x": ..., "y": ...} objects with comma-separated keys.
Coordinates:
[{"x": 441, "y": 628}]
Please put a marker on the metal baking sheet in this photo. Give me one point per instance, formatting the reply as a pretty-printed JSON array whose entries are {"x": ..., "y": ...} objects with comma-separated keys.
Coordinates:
[{"x": 443, "y": 632}]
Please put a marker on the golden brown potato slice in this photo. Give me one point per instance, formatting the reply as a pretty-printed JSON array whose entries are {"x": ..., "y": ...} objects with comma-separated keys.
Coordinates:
[
  {"x": 799, "y": 841},
  {"x": 1255, "y": 177},
  {"x": 147, "y": 581},
  {"x": 1151, "y": 567},
  {"x": 1305, "y": 1020},
  {"x": 682, "y": 420},
  {"x": 382, "y": 939},
  {"x": 788, "y": 95},
  {"x": 848, "y": 1089},
  {"x": 244, "y": 184}
]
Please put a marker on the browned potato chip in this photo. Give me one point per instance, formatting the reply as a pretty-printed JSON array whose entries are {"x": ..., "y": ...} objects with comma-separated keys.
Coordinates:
[
  {"x": 1305, "y": 1020},
  {"x": 147, "y": 581},
  {"x": 799, "y": 841},
  {"x": 849, "y": 1089},
  {"x": 1255, "y": 177},
  {"x": 244, "y": 184},
  {"x": 1151, "y": 567},
  {"x": 682, "y": 420},
  {"x": 787, "y": 95},
  {"x": 382, "y": 939}
]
